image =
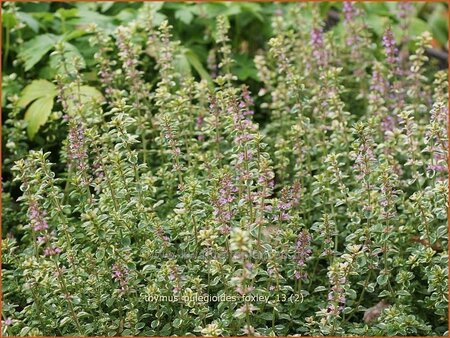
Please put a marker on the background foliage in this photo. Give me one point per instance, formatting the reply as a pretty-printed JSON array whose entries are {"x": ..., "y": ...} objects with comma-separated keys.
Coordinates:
[{"x": 36, "y": 28}]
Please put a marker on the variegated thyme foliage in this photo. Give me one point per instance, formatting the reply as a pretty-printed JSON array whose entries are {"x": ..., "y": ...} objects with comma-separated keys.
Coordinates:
[{"x": 314, "y": 206}]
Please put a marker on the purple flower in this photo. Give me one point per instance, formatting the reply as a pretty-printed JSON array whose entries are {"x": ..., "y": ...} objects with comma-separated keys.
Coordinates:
[
  {"x": 52, "y": 251},
  {"x": 390, "y": 47},
  {"x": 439, "y": 114},
  {"x": 227, "y": 190},
  {"x": 175, "y": 279},
  {"x": 120, "y": 275},
  {"x": 302, "y": 252},
  {"x": 128, "y": 56},
  {"x": 278, "y": 12},
  {"x": 212, "y": 63},
  {"x": 37, "y": 217},
  {"x": 378, "y": 83},
  {"x": 317, "y": 37},
  {"x": 244, "y": 290},
  {"x": 364, "y": 160},
  {"x": 283, "y": 216},
  {"x": 247, "y": 103},
  {"x": 172, "y": 276},
  {"x": 284, "y": 206},
  {"x": 404, "y": 10},
  {"x": 222, "y": 204},
  {"x": 438, "y": 163},
  {"x": 199, "y": 121},
  {"x": 8, "y": 322},
  {"x": 76, "y": 151},
  {"x": 349, "y": 11},
  {"x": 42, "y": 239},
  {"x": 319, "y": 52},
  {"x": 290, "y": 197},
  {"x": 337, "y": 275},
  {"x": 388, "y": 123},
  {"x": 225, "y": 229},
  {"x": 437, "y": 167},
  {"x": 245, "y": 156}
]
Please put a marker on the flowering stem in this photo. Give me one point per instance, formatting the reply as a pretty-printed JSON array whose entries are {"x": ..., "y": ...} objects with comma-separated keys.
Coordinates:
[
  {"x": 355, "y": 307},
  {"x": 66, "y": 233},
  {"x": 67, "y": 297},
  {"x": 426, "y": 224},
  {"x": 38, "y": 303}
]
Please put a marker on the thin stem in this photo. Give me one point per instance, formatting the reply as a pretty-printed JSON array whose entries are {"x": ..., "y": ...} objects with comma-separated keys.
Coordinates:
[{"x": 67, "y": 297}]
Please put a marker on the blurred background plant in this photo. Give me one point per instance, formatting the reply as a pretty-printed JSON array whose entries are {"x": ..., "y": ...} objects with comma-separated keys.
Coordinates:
[{"x": 32, "y": 31}]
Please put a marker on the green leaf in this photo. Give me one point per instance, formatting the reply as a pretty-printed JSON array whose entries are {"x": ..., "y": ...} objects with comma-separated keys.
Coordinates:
[
  {"x": 64, "y": 321},
  {"x": 211, "y": 9},
  {"x": 416, "y": 28},
  {"x": 158, "y": 18},
  {"x": 403, "y": 293},
  {"x": 70, "y": 53},
  {"x": 182, "y": 65},
  {"x": 177, "y": 322},
  {"x": 74, "y": 34},
  {"x": 233, "y": 9},
  {"x": 155, "y": 6},
  {"x": 377, "y": 23},
  {"x": 320, "y": 289},
  {"x": 106, "y": 6},
  {"x": 87, "y": 16},
  {"x": 9, "y": 20},
  {"x": 66, "y": 14},
  {"x": 37, "y": 114},
  {"x": 9, "y": 87},
  {"x": 379, "y": 9},
  {"x": 24, "y": 331},
  {"x": 382, "y": 279},
  {"x": 285, "y": 316},
  {"x": 35, "y": 90},
  {"x": 165, "y": 331},
  {"x": 139, "y": 326},
  {"x": 100, "y": 254},
  {"x": 126, "y": 241},
  {"x": 29, "y": 20},
  {"x": 253, "y": 8},
  {"x": 279, "y": 327},
  {"x": 266, "y": 315},
  {"x": 82, "y": 314},
  {"x": 351, "y": 294},
  {"x": 197, "y": 65},
  {"x": 126, "y": 15},
  {"x": 384, "y": 293},
  {"x": 35, "y": 49},
  {"x": 244, "y": 67},
  {"x": 32, "y": 7},
  {"x": 437, "y": 23},
  {"x": 185, "y": 15},
  {"x": 86, "y": 95}
]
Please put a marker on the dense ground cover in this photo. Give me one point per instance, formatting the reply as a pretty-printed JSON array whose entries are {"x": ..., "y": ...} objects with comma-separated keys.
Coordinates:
[{"x": 225, "y": 169}]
